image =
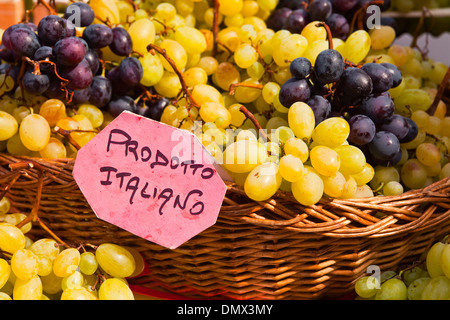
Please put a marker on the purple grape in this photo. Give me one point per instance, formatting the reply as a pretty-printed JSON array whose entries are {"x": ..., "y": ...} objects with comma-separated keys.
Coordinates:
[
  {"x": 6, "y": 41},
  {"x": 24, "y": 42},
  {"x": 297, "y": 20},
  {"x": 320, "y": 10},
  {"x": 35, "y": 83},
  {"x": 45, "y": 53},
  {"x": 384, "y": 145},
  {"x": 7, "y": 54},
  {"x": 379, "y": 108},
  {"x": 300, "y": 68},
  {"x": 353, "y": 86},
  {"x": 131, "y": 71},
  {"x": 82, "y": 11},
  {"x": 362, "y": 130},
  {"x": 79, "y": 76},
  {"x": 320, "y": 106},
  {"x": 120, "y": 104},
  {"x": 122, "y": 45},
  {"x": 69, "y": 52},
  {"x": 53, "y": 28},
  {"x": 329, "y": 66},
  {"x": 100, "y": 91},
  {"x": 119, "y": 86},
  {"x": 55, "y": 90},
  {"x": 344, "y": 5},
  {"x": 397, "y": 125},
  {"x": 381, "y": 77},
  {"x": 98, "y": 35},
  {"x": 294, "y": 90},
  {"x": 92, "y": 58},
  {"x": 277, "y": 19},
  {"x": 153, "y": 109},
  {"x": 413, "y": 130},
  {"x": 339, "y": 26},
  {"x": 395, "y": 72},
  {"x": 81, "y": 96}
]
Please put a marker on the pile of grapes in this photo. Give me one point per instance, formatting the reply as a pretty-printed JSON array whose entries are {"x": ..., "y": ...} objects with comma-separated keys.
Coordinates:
[
  {"x": 48, "y": 270},
  {"x": 425, "y": 280},
  {"x": 298, "y": 96}
]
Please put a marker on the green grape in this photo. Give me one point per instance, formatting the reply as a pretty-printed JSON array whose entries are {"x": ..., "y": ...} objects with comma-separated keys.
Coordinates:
[
  {"x": 410, "y": 275},
  {"x": 153, "y": 69},
  {"x": 206, "y": 93},
  {"x": 412, "y": 99},
  {"x": 176, "y": 52},
  {"x": 438, "y": 71},
  {"x": 434, "y": 126},
  {"x": 352, "y": 158},
  {"x": 270, "y": 91},
  {"x": 8, "y": 126},
  {"x": 399, "y": 53},
  {"x": 392, "y": 289},
  {"x": 5, "y": 271},
  {"x": 225, "y": 75},
  {"x": 312, "y": 32},
  {"x": 45, "y": 265},
  {"x": 66, "y": 262},
  {"x": 51, "y": 284},
  {"x": 245, "y": 94},
  {"x": 53, "y": 110},
  {"x": 11, "y": 238},
  {"x": 383, "y": 175},
  {"x": 445, "y": 171},
  {"x": 34, "y": 132},
  {"x": 211, "y": 111},
  {"x": 367, "y": 287},
  {"x": 237, "y": 117},
  {"x": 73, "y": 281},
  {"x": 445, "y": 260},
  {"x": 438, "y": 288},
  {"x": 421, "y": 136},
  {"x": 115, "y": 260},
  {"x": 428, "y": 154},
  {"x": 331, "y": 132},
  {"x": 93, "y": 113},
  {"x": 298, "y": 148},
  {"x": 55, "y": 149},
  {"x": 416, "y": 287},
  {"x": 421, "y": 118},
  {"x": 301, "y": 120},
  {"x": 88, "y": 263},
  {"x": 357, "y": 46},
  {"x": 5, "y": 205},
  {"x": 325, "y": 160},
  {"x": 142, "y": 33},
  {"x": 291, "y": 168},
  {"x": 413, "y": 174},
  {"x": 434, "y": 258},
  {"x": 283, "y": 134},
  {"x": 256, "y": 70},
  {"x": 308, "y": 190},
  {"x": 314, "y": 49},
  {"x": 169, "y": 86},
  {"x": 77, "y": 294},
  {"x": 274, "y": 123},
  {"x": 194, "y": 76},
  {"x": 334, "y": 185},
  {"x": 4, "y": 296},
  {"x": 291, "y": 47},
  {"x": 245, "y": 56},
  {"x": 114, "y": 289},
  {"x": 30, "y": 289},
  {"x": 248, "y": 134},
  {"x": 263, "y": 182},
  {"x": 349, "y": 189},
  {"x": 24, "y": 264},
  {"x": 393, "y": 188},
  {"x": 192, "y": 40},
  {"x": 267, "y": 5},
  {"x": 363, "y": 191},
  {"x": 45, "y": 247}
]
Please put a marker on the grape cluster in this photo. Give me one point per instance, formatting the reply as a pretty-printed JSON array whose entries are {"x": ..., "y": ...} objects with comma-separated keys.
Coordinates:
[
  {"x": 47, "y": 270},
  {"x": 427, "y": 280}
]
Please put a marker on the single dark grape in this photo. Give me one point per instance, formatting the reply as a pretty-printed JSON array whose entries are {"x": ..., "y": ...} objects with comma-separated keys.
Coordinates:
[
  {"x": 6, "y": 54},
  {"x": 119, "y": 86},
  {"x": 294, "y": 90},
  {"x": 79, "y": 76},
  {"x": 339, "y": 25},
  {"x": 362, "y": 130},
  {"x": 98, "y": 35},
  {"x": 395, "y": 72},
  {"x": 354, "y": 85},
  {"x": 384, "y": 145},
  {"x": 387, "y": 163},
  {"x": 122, "y": 103},
  {"x": 6, "y": 41},
  {"x": 277, "y": 19},
  {"x": 55, "y": 90},
  {"x": 45, "y": 53},
  {"x": 79, "y": 13},
  {"x": 329, "y": 66},
  {"x": 320, "y": 106},
  {"x": 379, "y": 108},
  {"x": 413, "y": 130},
  {"x": 131, "y": 71},
  {"x": 381, "y": 77},
  {"x": 344, "y": 5},
  {"x": 100, "y": 91},
  {"x": 153, "y": 109},
  {"x": 81, "y": 96},
  {"x": 69, "y": 51},
  {"x": 297, "y": 20},
  {"x": 35, "y": 83},
  {"x": 24, "y": 42},
  {"x": 53, "y": 28},
  {"x": 397, "y": 125},
  {"x": 300, "y": 68},
  {"x": 320, "y": 10},
  {"x": 122, "y": 45},
  {"x": 92, "y": 58}
]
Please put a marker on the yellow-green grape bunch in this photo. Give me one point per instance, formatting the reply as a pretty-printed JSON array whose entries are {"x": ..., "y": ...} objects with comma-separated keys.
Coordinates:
[
  {"x": 45, "y": 270},
  {"x": 428, "y": 280}
]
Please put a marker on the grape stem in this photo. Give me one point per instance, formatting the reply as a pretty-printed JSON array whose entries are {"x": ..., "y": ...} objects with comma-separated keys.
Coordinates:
[
  {"x": 232, "y": 89},
  {"x": 252, "y": 118},
  {"x": 440, "y": 93},
  {"x": 417, "y": 33},
  {"x": 359, "y": 14},
  {"x": 189, "y": 98},
  {"x": 329, "y": 35}
]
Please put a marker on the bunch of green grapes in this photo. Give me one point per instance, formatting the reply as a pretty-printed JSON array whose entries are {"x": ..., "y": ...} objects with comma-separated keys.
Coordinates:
[
  {"x": 46, "y": 270},
  {"x": 429, "y": 280}
]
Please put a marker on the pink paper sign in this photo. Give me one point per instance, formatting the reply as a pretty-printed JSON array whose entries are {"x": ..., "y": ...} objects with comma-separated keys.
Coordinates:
[{"x": 151, "y": 179}]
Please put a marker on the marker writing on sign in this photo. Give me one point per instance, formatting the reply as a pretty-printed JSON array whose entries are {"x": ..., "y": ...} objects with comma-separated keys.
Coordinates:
[{"x": 129, "y": 182}]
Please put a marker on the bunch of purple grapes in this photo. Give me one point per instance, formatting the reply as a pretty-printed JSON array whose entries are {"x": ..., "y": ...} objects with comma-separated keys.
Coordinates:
[
  {"x": 294, "y": 15},
  {"x": 61, "y": 65},
  {"x": 334, "y": 87}
]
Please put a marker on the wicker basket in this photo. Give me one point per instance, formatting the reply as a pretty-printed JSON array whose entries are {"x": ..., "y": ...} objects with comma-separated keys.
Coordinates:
[{"x": 257, "y": 250}]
